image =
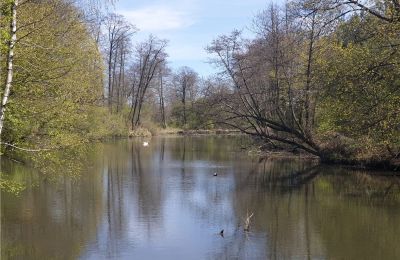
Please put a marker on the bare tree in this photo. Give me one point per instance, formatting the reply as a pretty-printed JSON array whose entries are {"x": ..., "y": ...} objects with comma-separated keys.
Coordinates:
[
  {"x": 149, "y": 56},
  {"x": 120, "y": 84},
  {"x": 262, "y": 99},
  {"x": 185, "y": 84},
  {"x": 163, "y": 73},
  {"x": 314, "y": 19},
  {"x": 274, "y": 92},
  {"x": 386, "y": 10},
  {"x": 118, "y": 36}
]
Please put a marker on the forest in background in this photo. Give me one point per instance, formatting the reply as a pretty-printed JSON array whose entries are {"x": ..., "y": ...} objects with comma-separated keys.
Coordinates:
[{"x": 319, "y": 76}]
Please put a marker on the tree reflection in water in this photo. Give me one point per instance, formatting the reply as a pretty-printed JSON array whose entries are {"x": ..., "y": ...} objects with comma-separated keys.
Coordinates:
[{"x": 163, "y": 202}]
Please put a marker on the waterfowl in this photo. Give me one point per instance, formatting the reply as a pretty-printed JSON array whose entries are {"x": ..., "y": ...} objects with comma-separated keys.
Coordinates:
[{"x": 145, "y": 143}]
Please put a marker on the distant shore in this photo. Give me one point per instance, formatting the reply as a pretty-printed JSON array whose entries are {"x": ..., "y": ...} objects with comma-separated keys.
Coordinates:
[
  {"x": 203, "y": 132},
  {"x": 144, "y": 132}
]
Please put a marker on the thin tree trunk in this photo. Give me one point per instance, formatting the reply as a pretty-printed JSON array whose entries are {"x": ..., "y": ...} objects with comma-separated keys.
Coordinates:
[
  {"x": 140, "y": 104},
  {"x": 10, "y": 60},
  {"x": 184, "y": 102},
  {"x": 109, "y": 73},
  {"x": 124, "y": 87},
  {"x": 120, "y": 82},
  {"x": 308, "y": 112},
  {"x": 162, "y": 108},
  {"x": 135, "y": 105},
  {"x": 114, "y": 85}
]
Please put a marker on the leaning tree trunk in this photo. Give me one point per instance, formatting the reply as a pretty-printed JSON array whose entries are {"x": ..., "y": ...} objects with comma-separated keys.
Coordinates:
[{"x": 10, "y": 60}]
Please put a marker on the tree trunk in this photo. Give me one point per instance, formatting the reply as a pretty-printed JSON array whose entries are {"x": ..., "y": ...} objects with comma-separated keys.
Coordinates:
[
  {"x": 120, "y": 78},
  {"x": 114, "y": 79},
  {"x": 162, "y": 108},
  {"x": 140, "y": 104},
  {"x": 109, "y": 74},
  {"x": 184, "y": 102},
  {"x": 10, "y": 60},
  {"x": 134, "y": 106},
  {"x": 308, "y": 112}
]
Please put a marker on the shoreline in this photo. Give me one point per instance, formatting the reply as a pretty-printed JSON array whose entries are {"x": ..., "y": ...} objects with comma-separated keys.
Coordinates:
[
  {"x": 199, "y": 132},
  {"x": 355, "y": 164}
]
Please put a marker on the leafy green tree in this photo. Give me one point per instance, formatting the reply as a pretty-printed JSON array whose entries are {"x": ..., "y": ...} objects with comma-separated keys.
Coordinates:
[
  {"x": 360, "y": 73},
  {"x": 55, "y": 101}
]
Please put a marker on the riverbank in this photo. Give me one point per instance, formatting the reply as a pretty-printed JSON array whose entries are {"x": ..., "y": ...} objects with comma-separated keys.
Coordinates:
[
  {"x": 366, "y": 164},
  {"x": 209, "y": 132},
  {"x": 144, "y": 132},
  {"x": 349, "y": 163},
  {"x": 352, "y": 162}
]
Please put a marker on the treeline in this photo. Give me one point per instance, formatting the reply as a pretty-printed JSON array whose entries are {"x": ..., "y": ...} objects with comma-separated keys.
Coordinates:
[
  {"x": 141, "y": 86},
  {"x": 321, "y": 76},
  {"x": 73, "y": 72},
  {"x": 141, "y": 89}
]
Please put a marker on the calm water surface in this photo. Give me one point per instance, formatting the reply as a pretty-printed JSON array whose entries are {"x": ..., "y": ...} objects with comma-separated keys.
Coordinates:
[{"x": 163, "y": 202}]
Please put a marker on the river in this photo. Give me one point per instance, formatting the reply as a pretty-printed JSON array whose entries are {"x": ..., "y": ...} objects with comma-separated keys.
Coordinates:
[{"x": 164, "y": 202}]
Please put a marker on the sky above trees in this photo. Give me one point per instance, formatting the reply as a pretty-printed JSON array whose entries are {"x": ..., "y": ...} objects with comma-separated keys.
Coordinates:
[{"x": 189, "y": 25}]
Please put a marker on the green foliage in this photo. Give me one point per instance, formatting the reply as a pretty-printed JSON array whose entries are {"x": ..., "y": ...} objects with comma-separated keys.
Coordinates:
[
  {"x": 10, "y": 186},
  {"x": 5, "y": 14},
  {"x": 55, "y": 102},
  {"x": 359, "y": 75},
  {"x": 55, "y": 78},
  {"x": 195, "y": 116},
  {"x": 104, "y": 124}
]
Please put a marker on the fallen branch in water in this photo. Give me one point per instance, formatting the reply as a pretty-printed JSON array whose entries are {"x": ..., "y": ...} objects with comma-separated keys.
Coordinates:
[{"x": 247, "y": 221}]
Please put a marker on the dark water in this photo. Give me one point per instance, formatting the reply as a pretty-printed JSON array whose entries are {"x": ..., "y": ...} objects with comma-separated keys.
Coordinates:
[{"x": 163, "y": 202}]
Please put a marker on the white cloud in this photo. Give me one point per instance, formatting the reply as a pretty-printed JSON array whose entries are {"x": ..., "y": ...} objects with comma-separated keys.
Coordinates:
[{"x": 158, "y": 18}]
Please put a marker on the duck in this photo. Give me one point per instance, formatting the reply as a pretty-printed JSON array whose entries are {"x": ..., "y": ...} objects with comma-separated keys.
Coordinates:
[
  {"x": 215, "y": 174},
  {"x": 221, "y": 233},
  {"x": 145, "y": 143}
]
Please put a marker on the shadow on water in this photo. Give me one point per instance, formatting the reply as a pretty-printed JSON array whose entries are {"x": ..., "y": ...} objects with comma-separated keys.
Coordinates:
[
  {"x": 312, "y": 211},
  {"x": 269, "y": 177},
  {"x": 163, "y": 202},
  {"x": 50, "y": 220}
]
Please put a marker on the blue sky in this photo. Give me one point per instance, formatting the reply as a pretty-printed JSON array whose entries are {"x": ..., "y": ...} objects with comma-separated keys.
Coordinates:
[{"x": 189, "y": 25}]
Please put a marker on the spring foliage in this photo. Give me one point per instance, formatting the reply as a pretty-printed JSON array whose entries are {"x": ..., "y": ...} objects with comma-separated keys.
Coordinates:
[{"x": 56, "y": 96}]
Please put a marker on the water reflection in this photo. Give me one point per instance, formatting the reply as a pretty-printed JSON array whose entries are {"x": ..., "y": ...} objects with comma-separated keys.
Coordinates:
[
  {"x": 51, "y": 220},
  {"x": 163, "y": 202}
]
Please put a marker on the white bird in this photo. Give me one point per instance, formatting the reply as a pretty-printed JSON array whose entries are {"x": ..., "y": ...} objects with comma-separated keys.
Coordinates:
[{"x": 145, "y": 143}]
